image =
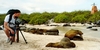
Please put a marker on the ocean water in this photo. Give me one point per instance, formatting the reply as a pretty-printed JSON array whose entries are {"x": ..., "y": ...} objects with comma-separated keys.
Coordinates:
[{"x": 86, "y": 32}]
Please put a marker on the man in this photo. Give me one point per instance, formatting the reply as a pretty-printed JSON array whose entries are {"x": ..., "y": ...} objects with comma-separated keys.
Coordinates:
[{"x": 9, "y": 24}]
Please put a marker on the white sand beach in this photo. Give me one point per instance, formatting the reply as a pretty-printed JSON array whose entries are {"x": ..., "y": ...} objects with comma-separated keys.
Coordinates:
[{"x": 38, "y": 42}]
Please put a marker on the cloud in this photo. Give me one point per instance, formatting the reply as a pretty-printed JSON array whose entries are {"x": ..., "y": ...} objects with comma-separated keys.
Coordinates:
[{"x": 29, "y": 6}]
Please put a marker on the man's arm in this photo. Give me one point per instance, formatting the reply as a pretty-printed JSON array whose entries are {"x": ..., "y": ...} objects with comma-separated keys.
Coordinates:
[{"x": 7, "y": 27}]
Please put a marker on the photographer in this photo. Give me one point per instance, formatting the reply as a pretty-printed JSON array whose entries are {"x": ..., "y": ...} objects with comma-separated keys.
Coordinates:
[{"x": 9, "y": 24}]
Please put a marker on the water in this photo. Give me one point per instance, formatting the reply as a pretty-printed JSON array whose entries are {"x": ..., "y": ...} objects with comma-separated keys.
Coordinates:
[{"x": 86, "y": 32}]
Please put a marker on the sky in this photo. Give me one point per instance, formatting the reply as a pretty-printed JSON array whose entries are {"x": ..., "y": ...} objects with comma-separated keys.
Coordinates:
[{"x": 30, "y": 6}]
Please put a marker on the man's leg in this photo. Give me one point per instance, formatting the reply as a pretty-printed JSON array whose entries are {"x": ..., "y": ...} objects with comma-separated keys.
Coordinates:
[{"x": 7, "y": 33}]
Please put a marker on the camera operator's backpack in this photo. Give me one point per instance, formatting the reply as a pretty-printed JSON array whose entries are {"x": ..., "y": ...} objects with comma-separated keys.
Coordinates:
[{"x": 10, "y": 12}]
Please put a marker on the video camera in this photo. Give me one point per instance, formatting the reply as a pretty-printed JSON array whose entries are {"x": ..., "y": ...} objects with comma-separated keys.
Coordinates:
[{"x": 19, "y": 21}]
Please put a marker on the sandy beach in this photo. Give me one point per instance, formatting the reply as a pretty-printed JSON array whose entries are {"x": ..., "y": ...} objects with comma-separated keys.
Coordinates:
[{"x": 38, "y": 42}]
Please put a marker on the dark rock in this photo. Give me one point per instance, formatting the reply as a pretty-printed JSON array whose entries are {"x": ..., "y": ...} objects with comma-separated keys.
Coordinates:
[
  {"x": 0, "y": 28},
  {"x": 94, "y": 29},
  {"x": 52, "y": 32},
  {"x": 89, "y": 27},
  {"x": 66, "y": 24}
]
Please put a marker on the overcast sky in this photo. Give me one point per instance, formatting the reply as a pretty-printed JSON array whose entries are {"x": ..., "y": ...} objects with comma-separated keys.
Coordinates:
[{"x": 29, "y": 6}]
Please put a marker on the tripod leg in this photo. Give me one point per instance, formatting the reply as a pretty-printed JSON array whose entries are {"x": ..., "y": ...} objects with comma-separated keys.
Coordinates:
[
  {"x": 17, "y": 33},
  {"x": 12, "y": 39},
  {"x": 11, "y": 42},
  {"x": 23, "y": 36}
]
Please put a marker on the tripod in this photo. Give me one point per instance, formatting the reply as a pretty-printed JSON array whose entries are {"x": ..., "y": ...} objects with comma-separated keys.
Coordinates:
[{"x": 17, "y": 32}]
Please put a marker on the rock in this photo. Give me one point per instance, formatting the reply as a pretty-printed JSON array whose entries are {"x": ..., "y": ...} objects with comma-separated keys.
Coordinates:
[
  {"x": 52, "y": 32},
  {"x": 23, "y": 27},
  {"x": 33, "y": 30},
  {"x": 94, "y": 29},
  {"x": 89, "y": 27},
  {"x": 0, "y": 28},
  {"x": 66, "y": 24},
  {"x": 40, "y": 31}
]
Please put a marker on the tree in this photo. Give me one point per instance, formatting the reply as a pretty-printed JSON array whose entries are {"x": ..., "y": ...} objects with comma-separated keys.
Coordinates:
[
  {"x": 61, "y": 18},
  {"x": 95, "y": 17},
  {"x": 2, "y": 16},
  {"x": 25, "y": 17},
  {"x": 79, "y": 18}
]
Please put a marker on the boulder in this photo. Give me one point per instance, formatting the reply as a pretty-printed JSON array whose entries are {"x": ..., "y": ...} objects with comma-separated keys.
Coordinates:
[
  {"x": 89, "y": 27},
  {"x": 94, "y": 29},
  {"x": 52, "y": 32},
  {"x": 40, "y": 31},
  {"x": 0, "y": 28},
  {"x": 66, "y": 24}
]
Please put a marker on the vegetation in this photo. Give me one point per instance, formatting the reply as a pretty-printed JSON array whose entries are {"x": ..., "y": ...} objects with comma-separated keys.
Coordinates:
[
  {"x": 2, "y": 16},
  {"x": 64, "y": 17},
  {"x": 61, "y": 18}
]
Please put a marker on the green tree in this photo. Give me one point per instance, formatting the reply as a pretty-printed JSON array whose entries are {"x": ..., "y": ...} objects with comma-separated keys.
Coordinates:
[
  {"x": 95, "y": 17},
  {"x": 25, "y": 17},
  {"x": 61, "y": 18},
  {"x": 79, "y": 18},
  {"x": 2, "y": 16}
]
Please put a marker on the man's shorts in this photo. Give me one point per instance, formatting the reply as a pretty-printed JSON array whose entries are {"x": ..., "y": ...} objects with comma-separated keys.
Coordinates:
[{"x": 14, "y": 29}]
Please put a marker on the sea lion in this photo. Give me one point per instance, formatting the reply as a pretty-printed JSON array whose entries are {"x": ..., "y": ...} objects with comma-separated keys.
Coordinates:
[
  {"x": 72, "y": 33},
  {"x": 65, "y": 39},
  {"x": 77, "y": 38},
  {"x": 56, "y": 45},
  {"x": 64, "y": 43}
]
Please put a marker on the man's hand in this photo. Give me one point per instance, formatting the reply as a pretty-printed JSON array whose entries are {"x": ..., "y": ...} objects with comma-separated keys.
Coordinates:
[{"x": 12, "y": 32}]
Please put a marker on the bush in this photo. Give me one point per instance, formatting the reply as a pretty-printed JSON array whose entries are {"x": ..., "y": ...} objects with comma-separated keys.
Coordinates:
[
  {"x": 61, "y": 18},
  {"x": 2, "y": 16},
  {"x": 79, "y": 18}
]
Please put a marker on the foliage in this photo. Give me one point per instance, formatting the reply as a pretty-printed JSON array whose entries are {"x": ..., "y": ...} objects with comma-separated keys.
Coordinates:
[
  {"x": 61, "y": 18},
  {"x": 2, "y": 16},
  {"x": 42, "y": 18},
  {"x": 25, "y": 17},
  {"x": 79, "y": 18},
  {"x": 38, "y": 19}
]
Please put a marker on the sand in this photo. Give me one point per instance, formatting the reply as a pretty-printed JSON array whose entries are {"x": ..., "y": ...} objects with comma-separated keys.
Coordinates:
[{"x": 38, "y": 42}]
